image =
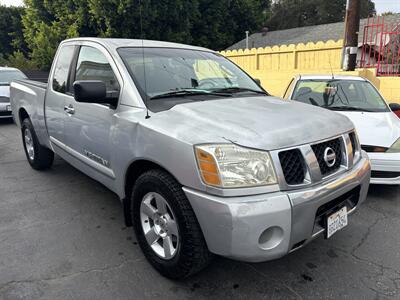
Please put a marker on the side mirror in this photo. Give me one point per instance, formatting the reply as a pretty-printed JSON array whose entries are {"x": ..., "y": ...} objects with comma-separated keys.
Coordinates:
[
  {"x": 258, "y": 81},
  {"x": 394, "y": 107},
  {"x": 92, "y": 91}
]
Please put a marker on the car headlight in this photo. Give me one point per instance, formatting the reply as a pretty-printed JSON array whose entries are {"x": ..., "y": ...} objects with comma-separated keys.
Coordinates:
[
  {"x": 395, "y": 148},
  {"x": 231, "y": 166}
]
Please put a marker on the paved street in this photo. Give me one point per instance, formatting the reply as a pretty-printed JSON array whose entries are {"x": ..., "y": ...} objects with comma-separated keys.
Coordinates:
[{"x": 62, "y": 236}]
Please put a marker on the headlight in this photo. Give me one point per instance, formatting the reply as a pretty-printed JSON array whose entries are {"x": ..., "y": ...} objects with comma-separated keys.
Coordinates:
[
  {"x": 395, "y": 148},
  {"x": 231, "y": 166}
]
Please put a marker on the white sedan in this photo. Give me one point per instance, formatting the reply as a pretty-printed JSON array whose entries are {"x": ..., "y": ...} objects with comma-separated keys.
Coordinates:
[
  {"x": 6, "y": 76},
  {"x": 355, "y": 97}
]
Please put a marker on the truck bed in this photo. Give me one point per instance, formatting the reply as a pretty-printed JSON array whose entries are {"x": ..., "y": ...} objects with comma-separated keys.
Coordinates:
[{"x": 28, "y": 96}]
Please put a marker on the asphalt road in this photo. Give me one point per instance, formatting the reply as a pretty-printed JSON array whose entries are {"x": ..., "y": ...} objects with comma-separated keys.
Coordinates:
[{"x": 62, "y": 236}]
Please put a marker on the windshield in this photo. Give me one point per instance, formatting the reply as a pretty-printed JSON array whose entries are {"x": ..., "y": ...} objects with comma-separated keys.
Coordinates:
[
  {"x": 7, "y": 76},
  {"x": 177, "y": 73},
  {"x": 350, "y": 95}
]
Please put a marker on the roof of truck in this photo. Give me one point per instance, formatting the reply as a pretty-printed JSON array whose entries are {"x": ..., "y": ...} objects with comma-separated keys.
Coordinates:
[
  {"x": 326, "y": 77},
  {"x": 119, "y": 43}
]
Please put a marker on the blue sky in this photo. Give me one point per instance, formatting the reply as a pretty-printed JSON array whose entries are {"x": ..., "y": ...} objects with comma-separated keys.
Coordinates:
[
  {"x": 381, "y": 5},
  {"x": 387, "y": 5}
]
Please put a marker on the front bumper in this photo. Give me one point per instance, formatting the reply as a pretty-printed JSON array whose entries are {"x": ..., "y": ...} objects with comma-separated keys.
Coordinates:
[
  {"x": 268, "y": 226},
  {"x": 385, "y": 168},
  {"x": 4, "y": 112}
]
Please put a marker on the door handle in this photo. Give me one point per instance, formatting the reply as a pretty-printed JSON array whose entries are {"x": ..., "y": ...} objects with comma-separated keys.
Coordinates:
[{"x": 69, "y": 109}]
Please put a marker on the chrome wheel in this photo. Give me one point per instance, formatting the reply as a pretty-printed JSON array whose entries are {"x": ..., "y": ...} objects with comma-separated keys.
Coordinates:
[
  {"x": 159, "y": 225},
  {"x": 29, "y": 144}
]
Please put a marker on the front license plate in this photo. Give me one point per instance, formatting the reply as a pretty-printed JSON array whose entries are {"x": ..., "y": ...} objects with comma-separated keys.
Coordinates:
[
  {"x": 8, "y": 107},
  {"x": 336, "y": 221}
]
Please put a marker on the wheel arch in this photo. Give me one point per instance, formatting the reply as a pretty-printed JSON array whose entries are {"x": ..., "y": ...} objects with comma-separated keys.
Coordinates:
[
  {"x": 22, "y": 115},
  {"x": 135, "y": 169}
]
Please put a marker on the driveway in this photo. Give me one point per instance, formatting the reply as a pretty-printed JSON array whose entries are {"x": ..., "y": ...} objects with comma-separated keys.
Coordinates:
[{"x": 62, "y": 236}]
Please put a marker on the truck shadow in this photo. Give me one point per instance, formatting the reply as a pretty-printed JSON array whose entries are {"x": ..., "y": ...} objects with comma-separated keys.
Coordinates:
[
  {"x": 388, "y": 191},
  {"x": 6, "y": 121}
]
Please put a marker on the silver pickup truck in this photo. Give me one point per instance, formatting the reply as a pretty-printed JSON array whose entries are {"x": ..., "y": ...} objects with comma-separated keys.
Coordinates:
[{"x": 203, "y": 159}]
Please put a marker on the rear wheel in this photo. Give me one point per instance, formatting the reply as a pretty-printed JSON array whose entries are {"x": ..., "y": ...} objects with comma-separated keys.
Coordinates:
[
  {"x": 166, "y": 227},
  {"x": 39, "y": 157}
]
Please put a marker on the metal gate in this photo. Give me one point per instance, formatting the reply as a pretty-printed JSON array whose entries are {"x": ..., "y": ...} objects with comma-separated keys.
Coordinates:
[{"x": 381, "y": 47}]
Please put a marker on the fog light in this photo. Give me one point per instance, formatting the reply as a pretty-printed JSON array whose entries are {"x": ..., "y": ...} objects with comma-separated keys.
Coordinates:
[{"x": 271, "y": 238}]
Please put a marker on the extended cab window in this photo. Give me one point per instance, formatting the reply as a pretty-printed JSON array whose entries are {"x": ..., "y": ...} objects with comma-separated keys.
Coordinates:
[
  {"x": 93, "y": 65},
  {"x": 61, "y": 70}
]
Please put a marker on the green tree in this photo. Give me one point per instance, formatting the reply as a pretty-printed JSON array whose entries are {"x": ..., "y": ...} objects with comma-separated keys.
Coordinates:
[
  {"x": 367, "y": 8},
  {"x": 11, "y": 36},
  {"x": 224, "y": 22},
  {"x": 169, "y": 20},
  {"x": 47, "y": 23},
  {"x": 387, "y": 13},
  {"x": 20, "y": 61},
  {"x": 210, "y": 23},
  {"x": 297, "y": 13}
]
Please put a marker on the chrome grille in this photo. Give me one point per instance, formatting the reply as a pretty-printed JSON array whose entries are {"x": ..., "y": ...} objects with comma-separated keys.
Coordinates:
[
  {"x": 319, "y": 151},
  {"x": 305, "y": 164}
]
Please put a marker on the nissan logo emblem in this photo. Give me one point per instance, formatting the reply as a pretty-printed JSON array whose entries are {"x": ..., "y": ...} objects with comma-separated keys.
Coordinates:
[{"x": 329, "y": 157}]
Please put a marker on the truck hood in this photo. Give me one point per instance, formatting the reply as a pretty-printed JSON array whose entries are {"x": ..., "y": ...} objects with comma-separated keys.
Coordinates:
[
  {"x": 375, "y": 129},
  {"x": 4, "y": 91},
  {"x": 257, "y": 122}
]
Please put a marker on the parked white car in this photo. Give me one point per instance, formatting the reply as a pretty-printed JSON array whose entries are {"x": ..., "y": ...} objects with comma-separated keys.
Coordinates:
[
  {"x": 355, "y": 97},
  {"x": 6, "y": 76}
]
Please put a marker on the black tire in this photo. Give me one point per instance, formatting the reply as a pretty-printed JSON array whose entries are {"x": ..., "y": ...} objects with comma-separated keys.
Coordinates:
[
  {"x": 43, "y": 157},
  {"x": 192, "y": 254}
]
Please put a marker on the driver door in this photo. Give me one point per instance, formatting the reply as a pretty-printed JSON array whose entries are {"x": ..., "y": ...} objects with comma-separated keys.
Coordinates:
[{"x": 89, "y": 125}]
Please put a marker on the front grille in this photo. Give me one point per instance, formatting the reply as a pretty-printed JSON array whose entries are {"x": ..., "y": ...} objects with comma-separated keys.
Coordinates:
[
  {"x": 293, "y": 167},
  {"x": 4, "y": 99},
  {"x": 319, "y": 151},
  {"x": 383, "y": 174}
]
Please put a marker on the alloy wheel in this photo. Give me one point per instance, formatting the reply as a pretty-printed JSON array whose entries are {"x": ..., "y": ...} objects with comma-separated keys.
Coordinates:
[{"x": 159, "y": 225}]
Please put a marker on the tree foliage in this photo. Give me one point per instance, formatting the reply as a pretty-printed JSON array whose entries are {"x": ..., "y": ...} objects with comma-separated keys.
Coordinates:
[
  {"x": 46, "y": 23},
  {"x": 209, "y": 23},
  {"x": 169, "y": 20},
  {"x": 214, "y": 24},
  {"x": 298, "y": 13},
  {"x": 11, "y": 37},
  {"x": 18, "y": 60},
  {"x": 223, "y": 23}
]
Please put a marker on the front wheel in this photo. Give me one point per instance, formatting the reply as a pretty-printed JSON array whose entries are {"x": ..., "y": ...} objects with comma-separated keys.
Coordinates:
[
  {"x": 166, "y": 226},
  {"x": 39, "y": 157}
]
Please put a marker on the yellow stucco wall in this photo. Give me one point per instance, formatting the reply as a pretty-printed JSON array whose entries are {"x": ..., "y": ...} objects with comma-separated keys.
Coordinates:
[{"x": 276, "y": 66}]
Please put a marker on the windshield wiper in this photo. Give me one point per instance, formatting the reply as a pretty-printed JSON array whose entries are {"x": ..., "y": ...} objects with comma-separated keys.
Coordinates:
[
  {"x": 189, "y": 92},
  {"x": 347, "y": 108},
  {"x": 238, "y": 90}
]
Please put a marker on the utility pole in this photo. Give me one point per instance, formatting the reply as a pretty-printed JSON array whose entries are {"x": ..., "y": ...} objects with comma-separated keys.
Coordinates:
[
  {"x": 247, "y": 39},
  {"x": 352, "y": 27}
]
